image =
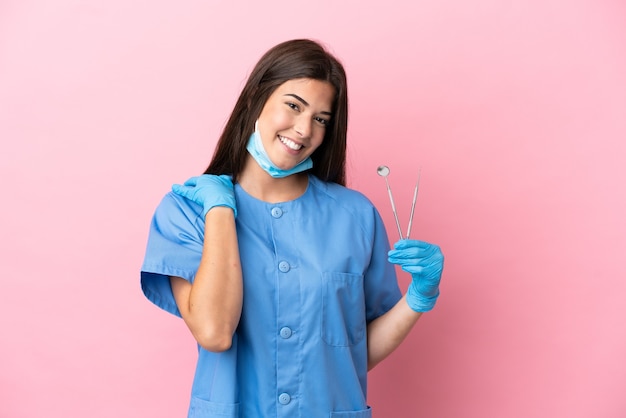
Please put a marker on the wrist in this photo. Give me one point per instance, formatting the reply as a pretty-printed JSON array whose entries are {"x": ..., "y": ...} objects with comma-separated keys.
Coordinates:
[
  {"x": 420, "y": 302},
  {"x": 219, "y": 211}
]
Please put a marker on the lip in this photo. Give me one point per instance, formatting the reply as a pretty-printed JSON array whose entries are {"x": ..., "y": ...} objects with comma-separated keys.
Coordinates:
[{"x": 290, "y": 150}]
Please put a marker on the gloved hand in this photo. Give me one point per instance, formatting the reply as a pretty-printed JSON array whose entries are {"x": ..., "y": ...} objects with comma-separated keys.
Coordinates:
[
  {"x": 208, "y": 190},
  {"x": 424, "y": 262}
]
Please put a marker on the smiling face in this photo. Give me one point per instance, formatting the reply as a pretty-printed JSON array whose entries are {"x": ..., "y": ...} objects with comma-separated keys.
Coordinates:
[{"x": 294, "y": 119}]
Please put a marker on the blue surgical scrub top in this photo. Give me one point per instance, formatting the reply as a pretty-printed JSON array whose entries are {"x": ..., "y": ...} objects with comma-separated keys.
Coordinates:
[{"x": 315, "y": 272}]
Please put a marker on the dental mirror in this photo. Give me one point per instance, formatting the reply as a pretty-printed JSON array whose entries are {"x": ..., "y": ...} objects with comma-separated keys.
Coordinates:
[{"x": 383, "y": 171}]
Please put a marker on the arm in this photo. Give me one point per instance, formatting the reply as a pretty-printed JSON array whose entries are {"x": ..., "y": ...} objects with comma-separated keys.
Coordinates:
[
  {"x": 385, "y": 333},
  {"x": 211, "y": 306},
  {"x": 424, "y": 262}
]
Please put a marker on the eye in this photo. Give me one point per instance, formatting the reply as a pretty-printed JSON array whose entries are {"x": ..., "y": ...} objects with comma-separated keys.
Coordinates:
[
  {"x": 321, "y": 121},
  {"x": 293, "y": 106}
]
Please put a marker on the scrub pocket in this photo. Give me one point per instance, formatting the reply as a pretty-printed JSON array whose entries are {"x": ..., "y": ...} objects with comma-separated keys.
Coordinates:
[
  {"x": 353, "y": 414},
  {"x": 199, "y": 408},
  {"x": 343, "y": 309}
]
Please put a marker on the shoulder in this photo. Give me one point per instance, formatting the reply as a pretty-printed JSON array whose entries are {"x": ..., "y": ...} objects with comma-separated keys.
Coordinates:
[
  {"x": 172, "y": 203},
  {"x": 178, "y": 213}
]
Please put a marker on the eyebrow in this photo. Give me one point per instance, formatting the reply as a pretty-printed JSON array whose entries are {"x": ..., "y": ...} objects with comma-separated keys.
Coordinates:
[{"x": 304, "y": 102}]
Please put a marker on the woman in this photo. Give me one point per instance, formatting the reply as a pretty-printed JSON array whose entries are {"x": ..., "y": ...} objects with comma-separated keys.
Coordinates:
[{"x": 282, "y": 274}]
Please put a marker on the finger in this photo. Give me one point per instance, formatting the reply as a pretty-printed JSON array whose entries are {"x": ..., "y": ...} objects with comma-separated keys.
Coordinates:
[
  {"x": 408, "y": 253},
  {"x": 226, "y": 179},
  {"x": 410, "y": 243},
  {"x": 417, "y": 262},
  {"x": 428, "y": 274},
  {"x": 413, "y": 270},
  {"x": 192, "y": 181},
  {"x": 429, "y": 250},
  {"x": 418, "y": 258},
  {"x": 182, "y": 190}
]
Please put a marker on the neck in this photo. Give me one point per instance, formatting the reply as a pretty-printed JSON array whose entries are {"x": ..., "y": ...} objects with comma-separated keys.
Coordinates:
[{"x": 259, "y": 184}]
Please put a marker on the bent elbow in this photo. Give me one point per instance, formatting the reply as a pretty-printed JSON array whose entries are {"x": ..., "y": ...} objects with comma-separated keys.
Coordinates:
[
  {"x": 215, "y": 346},
  {"x": 215, "y": 342}
]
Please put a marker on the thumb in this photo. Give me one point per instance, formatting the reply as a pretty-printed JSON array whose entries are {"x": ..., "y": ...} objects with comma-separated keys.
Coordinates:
[{"x": 192, "y": 181}]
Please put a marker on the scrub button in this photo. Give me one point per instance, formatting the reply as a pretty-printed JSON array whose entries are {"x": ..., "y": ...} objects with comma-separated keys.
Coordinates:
[
  {"x": 284, "y": 266},
  {"x": 285, "y": 332},
  {"x": 284, "y": 398},
  {"x": 277, "y": 212}
]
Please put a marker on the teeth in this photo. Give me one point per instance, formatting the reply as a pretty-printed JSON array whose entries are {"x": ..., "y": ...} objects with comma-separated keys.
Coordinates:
[{"x": 290, "y": 143}]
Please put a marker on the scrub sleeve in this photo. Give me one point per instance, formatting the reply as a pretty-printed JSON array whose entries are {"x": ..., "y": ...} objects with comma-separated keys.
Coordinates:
[{"x": 174, "y": 248}]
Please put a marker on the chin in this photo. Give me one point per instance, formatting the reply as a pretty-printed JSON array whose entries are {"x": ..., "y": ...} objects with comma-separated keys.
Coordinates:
[{"x": 285, "y": 166}]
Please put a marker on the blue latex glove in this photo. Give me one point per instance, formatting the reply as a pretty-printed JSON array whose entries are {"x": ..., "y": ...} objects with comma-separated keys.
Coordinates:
[
  {"x": 424, "y": 262},
  {"x": 208, "y": 190}
]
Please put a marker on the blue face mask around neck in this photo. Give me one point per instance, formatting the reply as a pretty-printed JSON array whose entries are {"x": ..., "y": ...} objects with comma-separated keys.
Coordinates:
[{"x": 255, "y": 148}]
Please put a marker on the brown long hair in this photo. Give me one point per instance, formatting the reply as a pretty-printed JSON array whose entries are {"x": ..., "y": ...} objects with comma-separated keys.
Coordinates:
[{"x": 298, "y": 58}]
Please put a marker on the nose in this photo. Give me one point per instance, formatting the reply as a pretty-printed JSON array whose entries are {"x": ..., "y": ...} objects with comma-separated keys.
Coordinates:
[{"x": 303, "y": 126}]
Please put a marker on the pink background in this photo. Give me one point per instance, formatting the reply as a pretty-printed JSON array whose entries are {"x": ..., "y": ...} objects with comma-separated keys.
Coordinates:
[{"x": 515, "y": 110}]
